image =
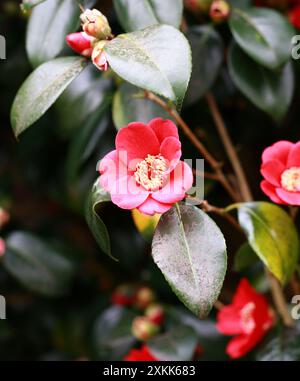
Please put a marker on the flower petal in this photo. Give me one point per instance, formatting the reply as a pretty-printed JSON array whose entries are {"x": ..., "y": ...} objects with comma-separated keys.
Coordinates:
[
  {"x": 294, "y": 156},
  {"x": 135, "y": 142},
  {"x": 111, "y": 169},
  {"x": 163, "y": 129},
  {"x": 228, "y": 321},
  {"x": 245, "y": 293},
  {"x": 239, "y": 346},
  {"x": 270, "y": 191},
  {"x": 126, "y": 194},
  {"x": 272, "y": 171},
  {"x": 290, "y": 198},
  {"x": 278, "y": 151},
  {"x": 171, "y": 150},
  {"x": 179, "y": 182},
  {"x": 151, "y": 207}
]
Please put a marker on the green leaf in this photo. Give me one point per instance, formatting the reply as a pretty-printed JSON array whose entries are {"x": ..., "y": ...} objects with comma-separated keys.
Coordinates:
[
  {"x": 41, "y": 89},
  {"x": 36, "y": 265},
  {"x": 97, "y": 197},
  {"x": 86, "y": 138},
  {"x": 48, "y": 26},
  {"x": 175, "y": 345},
  {"x": 264, "y": 34},
  {"x": 207, "y": 52},
  {"x": 157, "y": 59},
  {"x": 240, "y": 3},
  {"x": 190, "y": 250},
  {"x": 272, "y": 235},
  {"x": 81, "y": 99},
  {"x": 129, "y": 105},
  {"x": 270, "y": 91},
  {"x": 27, "y": 5},
  {"x": 283, "y": 345},
  {"x": 244, "y": 258},
  {"x": 139, "y": 14},
  {"x": 112, "y": 336}
]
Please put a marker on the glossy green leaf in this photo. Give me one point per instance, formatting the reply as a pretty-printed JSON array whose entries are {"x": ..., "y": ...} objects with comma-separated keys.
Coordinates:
[
  {"x": 129, "y": 105},
  {"x": 41, "y": 89},
  {"x": 244, "y": 258},
  {"x": 157, "y": 59},
  {"x": 207, "y": 52},
  {"x": 81, "y": 99},
  {"x": 270, "y": 91},
  {"x": 48, "y": 26},
  {"x": 36, "y": 265},
  {"x": 272, "y": 235},
  {"x": 282, "y": 345},
  {"x": 139, "y": 14},
  {"x": 87, "y": 137},
  {"x": 112, "y": 336},
  {"x": 263, "y": 34},
  {"x": 175, "y": 345},
  {"x": 190, "y": 250},
  {"x": 240, "y": 3},
  {"x": 97, "y": 197}
]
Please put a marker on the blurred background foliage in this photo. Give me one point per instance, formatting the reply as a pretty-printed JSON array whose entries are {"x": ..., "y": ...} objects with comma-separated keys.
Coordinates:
[{"x": 64, "y": 311}]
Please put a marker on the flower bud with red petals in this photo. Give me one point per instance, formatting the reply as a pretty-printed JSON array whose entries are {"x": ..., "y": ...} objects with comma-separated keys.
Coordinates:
[
  {"x": 219, "y": 11},
  {"x": 144, "y": 297},
  {"x": 81, "y": 43},
  {"x": 95, "y": 24},
  {"x": 99, "y": 56},
  {"x": 155, "y": 313},
  {"x": 143, "y": 328}
]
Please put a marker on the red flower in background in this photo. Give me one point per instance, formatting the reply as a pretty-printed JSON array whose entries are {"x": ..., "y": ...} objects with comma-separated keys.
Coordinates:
[
  {"x": 145, "y": 171},
  {"x": 142, "y": 354},
  {"x": 294, "y": 16},
  {"x": 248, "y": 317},
  {"x": 281, "y": 170}
]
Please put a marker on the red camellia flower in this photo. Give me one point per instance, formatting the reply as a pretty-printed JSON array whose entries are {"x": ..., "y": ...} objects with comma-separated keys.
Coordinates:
[
  {"x": 249, "y": 317},
  {"x": 81, "y": 43},
  {"x": 281, "y": 170},
  {"x": 145, "y": 171},
  {"x": 142, "y": 354},
  {"x": 294, "y": 16}
]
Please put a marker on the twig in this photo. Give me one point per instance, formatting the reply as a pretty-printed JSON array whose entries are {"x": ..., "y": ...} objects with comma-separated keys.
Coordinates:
[
  {"x": 229, "y": 147},
  {"x": 219, "y": 305},
  {"x": 193, "y": 138},
  {"x": 208, "y": 175}
]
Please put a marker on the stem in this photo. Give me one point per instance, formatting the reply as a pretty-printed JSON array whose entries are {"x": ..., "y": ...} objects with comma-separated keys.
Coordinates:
[
  {"x": 193, "y": 138},
  {"x": 219, "y": 305},
  {"x": 229, "y": 147},
  {"x": 279, "y": 300}
]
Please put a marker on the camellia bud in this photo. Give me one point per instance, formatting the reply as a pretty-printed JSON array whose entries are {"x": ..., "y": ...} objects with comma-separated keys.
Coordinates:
[
  {"x": 124, "y": 295},
  {"x": 2, "y": 247},
  {"x": 155, "y": 313},
  {"x": 143, "y": 328},
  {"x": 81, "y": 43},
  {"x": 144, "y": 297},
  {"x": 99, "y": 56},
  {"x": 95, "y": 24},
  {"x": 4, "y": 217},
  {"x": 219, "y": 10}
]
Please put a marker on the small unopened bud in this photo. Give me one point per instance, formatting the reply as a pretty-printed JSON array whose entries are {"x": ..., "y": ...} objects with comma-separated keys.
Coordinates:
[
  {"x": 95, "y": 24},
  {"x": 219, "y": 10},
  {"x": 198, "y": 6},
  {"x": 155, "y": 313},
  {"x": 143, "y": 328},
  {"x": 124, "y": 295},
  {"x": 144, "y": 297},
  {"x": 81, "y": 43},
  {"x": 99, "y": 56},
  {"x": 2, "y": 247}
]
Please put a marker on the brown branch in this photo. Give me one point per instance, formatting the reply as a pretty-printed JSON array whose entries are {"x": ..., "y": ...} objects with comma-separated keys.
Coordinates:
[
  {"x": 229, "y": 147},
  {"x": 211, "y": 176},
  {"x": 197, "y": 143}
]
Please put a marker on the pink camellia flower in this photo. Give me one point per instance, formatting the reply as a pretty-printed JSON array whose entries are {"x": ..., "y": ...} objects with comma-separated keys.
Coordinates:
[
  {"x": 281, "y": 170},
  {"x": 81, "y": 43},
  {"x": 99, "y": 56},
  {"x": 145, "y": 171},
  {"x": 249, "y": 318}
]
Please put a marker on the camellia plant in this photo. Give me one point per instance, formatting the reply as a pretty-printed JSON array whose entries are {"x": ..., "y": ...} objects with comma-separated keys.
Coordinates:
[{"x": 181, "y": 135}]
